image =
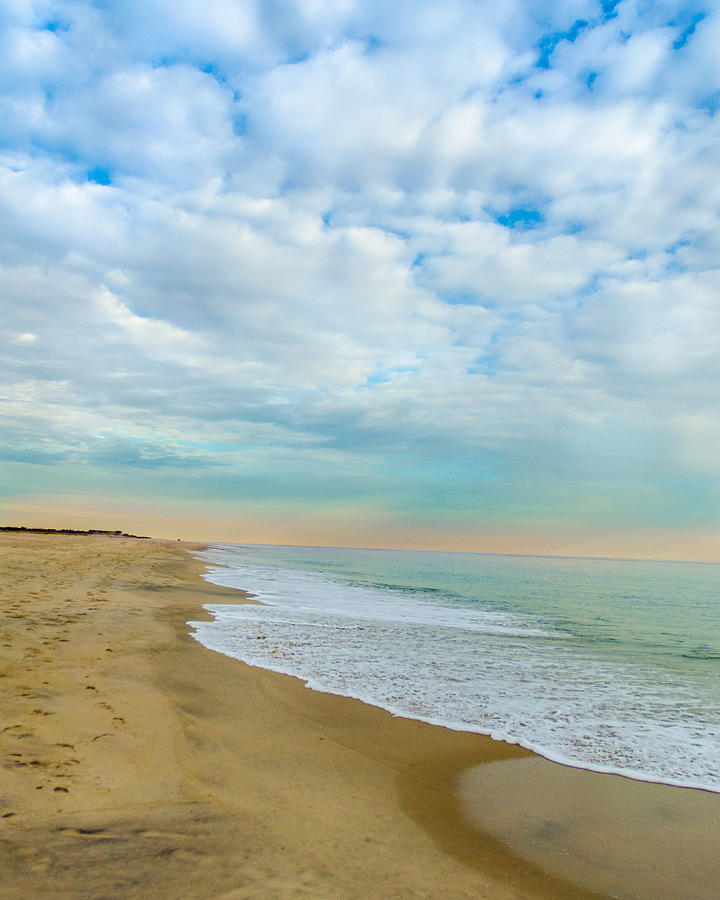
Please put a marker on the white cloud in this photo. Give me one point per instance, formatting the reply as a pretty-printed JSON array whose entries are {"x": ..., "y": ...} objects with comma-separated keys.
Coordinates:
[
  {"x": 302, "y": 239},
  {"x": 153, "y": 337},
  {"x": 483, "y": 262}
]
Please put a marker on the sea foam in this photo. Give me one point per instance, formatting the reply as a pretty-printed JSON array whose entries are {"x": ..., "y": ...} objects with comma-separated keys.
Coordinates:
[{"x": 427, "y": 654}]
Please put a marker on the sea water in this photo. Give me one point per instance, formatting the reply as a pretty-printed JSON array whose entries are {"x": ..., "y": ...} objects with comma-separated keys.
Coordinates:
[{"x": 609, "y": 665}]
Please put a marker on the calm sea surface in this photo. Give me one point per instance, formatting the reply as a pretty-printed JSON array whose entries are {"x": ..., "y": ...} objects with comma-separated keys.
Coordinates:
[{"x": 611, "y": 665}]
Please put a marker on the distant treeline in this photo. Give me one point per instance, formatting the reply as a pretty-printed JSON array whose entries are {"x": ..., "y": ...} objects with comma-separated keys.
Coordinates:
[{"x": 141, "y": 537}]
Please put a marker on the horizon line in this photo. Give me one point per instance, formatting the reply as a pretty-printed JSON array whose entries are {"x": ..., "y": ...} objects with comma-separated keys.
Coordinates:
[{"x": 700, "y": 562}]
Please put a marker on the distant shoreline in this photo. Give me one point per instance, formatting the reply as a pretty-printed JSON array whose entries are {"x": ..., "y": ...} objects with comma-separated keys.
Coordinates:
[{"x": 23, "y": 528}]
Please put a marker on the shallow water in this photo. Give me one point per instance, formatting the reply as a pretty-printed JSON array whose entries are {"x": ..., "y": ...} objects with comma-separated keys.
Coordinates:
[
  {"x": 609, "y": 665},
  {"x": 618, "y": 837}
]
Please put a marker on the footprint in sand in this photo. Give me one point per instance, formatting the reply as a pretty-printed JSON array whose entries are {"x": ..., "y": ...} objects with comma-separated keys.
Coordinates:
[
  {"x": 99, "y": 833},
  {"x": 19, "y": 762}
]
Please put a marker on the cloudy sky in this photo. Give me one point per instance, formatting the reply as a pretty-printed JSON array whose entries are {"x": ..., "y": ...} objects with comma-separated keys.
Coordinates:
[{"x": 440, "y": 273}]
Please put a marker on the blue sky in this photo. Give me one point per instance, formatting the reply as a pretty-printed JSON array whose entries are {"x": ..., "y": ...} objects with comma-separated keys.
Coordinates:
[{"x": 437, "y": 274}]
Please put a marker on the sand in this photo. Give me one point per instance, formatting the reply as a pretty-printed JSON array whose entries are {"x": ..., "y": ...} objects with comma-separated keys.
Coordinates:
[{"x": 136, "y": 763}]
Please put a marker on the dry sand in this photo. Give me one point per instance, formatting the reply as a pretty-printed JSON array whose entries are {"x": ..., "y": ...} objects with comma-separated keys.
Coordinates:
[{"x": 136, "y": 763}]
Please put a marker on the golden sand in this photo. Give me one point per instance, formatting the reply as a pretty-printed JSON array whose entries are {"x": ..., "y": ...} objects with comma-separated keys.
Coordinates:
[{"x": 136, "y": 763}]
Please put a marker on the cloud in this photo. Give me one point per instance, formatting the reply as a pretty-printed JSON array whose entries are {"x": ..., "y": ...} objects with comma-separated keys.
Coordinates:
[
  {"x": 25, "y": 337},
  {"x": 474, "y": 245},
  {"x": 153, "y": 337}
]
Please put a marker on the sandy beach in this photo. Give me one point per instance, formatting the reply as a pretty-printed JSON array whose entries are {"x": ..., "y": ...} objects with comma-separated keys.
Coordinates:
[{"x": 136, "y": 763}]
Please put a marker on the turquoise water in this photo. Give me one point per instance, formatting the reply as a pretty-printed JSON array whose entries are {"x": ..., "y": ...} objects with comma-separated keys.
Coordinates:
[{"x": 610, "y": 665}]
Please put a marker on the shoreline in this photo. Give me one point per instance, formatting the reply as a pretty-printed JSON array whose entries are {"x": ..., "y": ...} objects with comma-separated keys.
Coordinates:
[
  {"x": 139, "y": 763},
  {"x": 298, "y": 666}
]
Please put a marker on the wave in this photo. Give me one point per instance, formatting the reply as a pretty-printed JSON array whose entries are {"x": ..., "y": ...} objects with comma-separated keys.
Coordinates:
[{"x": 514, "y": 677}]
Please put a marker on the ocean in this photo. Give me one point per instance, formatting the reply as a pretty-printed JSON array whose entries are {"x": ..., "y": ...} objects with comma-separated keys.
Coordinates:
[{"x": 604, "y": 664}]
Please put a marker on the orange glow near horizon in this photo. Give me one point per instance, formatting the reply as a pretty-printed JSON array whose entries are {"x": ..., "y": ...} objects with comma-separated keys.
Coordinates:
[{"x": 351, "y": 531}]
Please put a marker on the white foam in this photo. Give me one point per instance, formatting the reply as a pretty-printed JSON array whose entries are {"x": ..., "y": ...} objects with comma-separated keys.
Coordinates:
[
  {"x": 514, "y": 678},
  {"x": 312, "y": 593}
]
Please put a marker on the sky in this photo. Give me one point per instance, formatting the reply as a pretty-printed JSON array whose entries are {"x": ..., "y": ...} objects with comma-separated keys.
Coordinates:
[{"x": 349, "y": 272}]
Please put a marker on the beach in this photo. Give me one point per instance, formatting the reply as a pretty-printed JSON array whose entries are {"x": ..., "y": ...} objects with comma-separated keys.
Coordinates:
[{"x": 137, "y": 763}]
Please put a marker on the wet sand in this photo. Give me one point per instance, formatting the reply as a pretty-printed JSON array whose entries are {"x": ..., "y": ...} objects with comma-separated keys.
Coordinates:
[
  {"x": 615, "y": 835},
  {"x": 136, "y": 763}
]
